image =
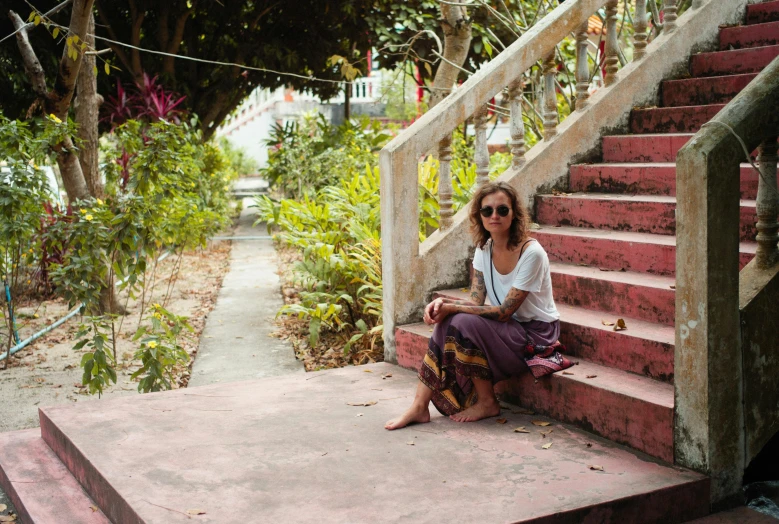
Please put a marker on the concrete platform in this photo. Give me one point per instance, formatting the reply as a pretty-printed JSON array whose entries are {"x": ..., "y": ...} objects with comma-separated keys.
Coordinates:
[{"x": 291, "y": 449}]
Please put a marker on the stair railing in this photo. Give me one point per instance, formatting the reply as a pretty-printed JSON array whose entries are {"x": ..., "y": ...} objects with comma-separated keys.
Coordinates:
[
  {"x": 727, "y": 352},
  {"x": 403, "y": 259}
]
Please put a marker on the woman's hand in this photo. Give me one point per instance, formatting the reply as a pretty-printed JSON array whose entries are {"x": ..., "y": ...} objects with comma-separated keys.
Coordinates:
[{"x": 436, "y": 311}]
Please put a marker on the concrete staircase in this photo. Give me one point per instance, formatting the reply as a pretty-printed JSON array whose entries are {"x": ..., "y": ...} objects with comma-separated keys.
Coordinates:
[{"x": 611, "y": 244}]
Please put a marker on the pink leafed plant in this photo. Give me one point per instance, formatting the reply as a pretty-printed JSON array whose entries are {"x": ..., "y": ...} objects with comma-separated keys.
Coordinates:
[{"x": 148, "y": 101}]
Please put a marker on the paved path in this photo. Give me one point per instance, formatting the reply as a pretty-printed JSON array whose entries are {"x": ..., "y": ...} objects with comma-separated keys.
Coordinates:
[{"x": 236, "y": 342}]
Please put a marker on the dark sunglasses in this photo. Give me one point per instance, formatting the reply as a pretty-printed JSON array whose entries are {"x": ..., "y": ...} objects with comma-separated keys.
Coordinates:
[{"x": 502, "y": 210}]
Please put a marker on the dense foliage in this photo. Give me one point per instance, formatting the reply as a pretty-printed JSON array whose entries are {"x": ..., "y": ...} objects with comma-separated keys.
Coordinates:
[
  {"x": 167, "y": 191},
  {"x": 337, "y": 231}
]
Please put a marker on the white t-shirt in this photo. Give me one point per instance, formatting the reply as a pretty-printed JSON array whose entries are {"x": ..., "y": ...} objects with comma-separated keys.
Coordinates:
[{"x": 530, "y": 274}]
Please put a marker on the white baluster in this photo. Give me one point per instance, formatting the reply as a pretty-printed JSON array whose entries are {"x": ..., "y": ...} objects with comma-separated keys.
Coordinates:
[
  {"x": 550, "y": 96},
  {"x": 640, "y": 26},
  {"x": 516, "y": 125},
  {"x": 582, "y": 68},
  {"x": 481, "y": 153},
  {"x": 612, "y": 51},
  {"x": 669, "y": 16},
  {"x": 445, "y": 183}
]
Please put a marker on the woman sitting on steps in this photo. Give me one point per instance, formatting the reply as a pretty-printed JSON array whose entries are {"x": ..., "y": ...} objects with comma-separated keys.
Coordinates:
[{"x": 473, "y": 345}]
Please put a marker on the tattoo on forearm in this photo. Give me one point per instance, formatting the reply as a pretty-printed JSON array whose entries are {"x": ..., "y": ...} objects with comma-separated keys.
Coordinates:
[
  {"x": 502, "y": 312},
  {"x": 478, "y": 288}
]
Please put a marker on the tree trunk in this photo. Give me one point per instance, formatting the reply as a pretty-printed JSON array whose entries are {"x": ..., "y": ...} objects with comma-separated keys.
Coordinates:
[
  {"x": 87, "y": 105},
  {"x": 457, "y": 42}
]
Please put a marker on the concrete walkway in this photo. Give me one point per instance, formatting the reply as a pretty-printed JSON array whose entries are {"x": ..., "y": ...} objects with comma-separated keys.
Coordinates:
[{"x": 236, "y": 342}]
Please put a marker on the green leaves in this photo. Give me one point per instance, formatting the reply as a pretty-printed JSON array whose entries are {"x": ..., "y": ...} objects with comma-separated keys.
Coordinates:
[
  {"x": 98, "y": 363},
  {"x": 159, "y": 351}
]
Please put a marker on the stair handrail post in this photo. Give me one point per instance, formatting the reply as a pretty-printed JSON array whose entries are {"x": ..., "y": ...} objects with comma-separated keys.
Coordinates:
[
  {"x": 612, "y": 45},
  {"x": 767, "y": 206},
  {"x": 670, "y": 8},
  {"x": 551, "y": 114},
  {"x": 445, "y": 190},
  {"x": 640, "y": 26},
  {"x": 710, "y": 419},
  {"x": 481, "y": 152},
  {"x": 582, "y": 68},
  {"x": 516, "y": 124}
]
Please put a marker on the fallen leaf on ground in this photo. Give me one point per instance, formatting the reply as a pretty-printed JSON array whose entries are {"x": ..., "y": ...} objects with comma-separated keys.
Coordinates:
[
  {"x": 521, "y": 430},
  {"x": 547, "y": 445},
  {"x": 367, "y": 370},
  {"x": 567, "y": 373},
  {"x": 411, "y": 443},
  {"x": 359, "y": 414},
  {"x": 370, "y": 403},
  {"x": 591, "y": 376},
  {"x": 7, "y": 518},
  {"x": 196, "y": 511},
  {"x": 545, "y": 433},
  {"x": 596, "y": 468},
  {"x": 620, "y": 325},
  {"x": 673, "y": 286},
  {"x": 93, "y": 508},
  {"x": 589, "y": 444},
  {"x": 604, "y": 269},
  {"x": 464, "y": 290},
  {"x": 501, "y": 421},
  {"x": 3, "y": 507},
  {"x": 607, "y": 323},
  {"x": 541, "y": 423},
  {"x": 39, "y": 380},
  {"x": 388, "y": 375}
]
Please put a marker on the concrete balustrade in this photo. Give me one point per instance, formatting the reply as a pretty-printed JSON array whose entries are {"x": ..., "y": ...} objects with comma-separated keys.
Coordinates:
[{"x": 723, "y": 318}]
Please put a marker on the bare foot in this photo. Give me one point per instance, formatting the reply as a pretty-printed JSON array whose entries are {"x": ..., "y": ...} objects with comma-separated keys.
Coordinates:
[
  {"x": 414, "y": 415},
  {"x": 480, "y": 410}
]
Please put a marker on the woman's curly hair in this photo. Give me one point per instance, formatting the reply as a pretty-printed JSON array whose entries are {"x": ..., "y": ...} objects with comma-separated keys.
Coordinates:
[{"x": 519, "y": 226}]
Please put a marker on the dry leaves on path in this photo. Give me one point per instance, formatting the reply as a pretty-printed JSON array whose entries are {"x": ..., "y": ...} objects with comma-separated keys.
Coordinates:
[
  {"x": 521, "y": 429},
  {"x": 196, "y": 512},
  {"x": 596, "y": 468},
  {"x": 621, "y": 326},
  {"x": 547, "y": 445},
  {"x": 541, "y": 423},
  {"x": 501, "y": 421},
  {"x": 369, "y": 403}
]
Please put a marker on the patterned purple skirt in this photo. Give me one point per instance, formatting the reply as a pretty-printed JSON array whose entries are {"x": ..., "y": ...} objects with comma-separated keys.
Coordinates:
[{"x": 466, "y": 346}]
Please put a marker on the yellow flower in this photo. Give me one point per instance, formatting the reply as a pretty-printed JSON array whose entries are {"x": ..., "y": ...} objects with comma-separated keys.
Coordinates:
[
  {"x": 191, "y": 184},
  {"x": 157, "y": 315},
  {"x": 152, "y": 344},
  {"x": 82, "y": 211},
  {"x": 156, "y": 305},
  {"x": 55, "y": 119},
  {"x": 99, "y": 202},
  {"x": 29, "y": 281},
  {"x": 213, "y": 175},
  {"x": 88, "y": 217}
]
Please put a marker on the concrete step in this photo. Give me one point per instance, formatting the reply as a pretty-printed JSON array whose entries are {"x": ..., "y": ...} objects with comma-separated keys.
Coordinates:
[
  {"x": 763, "y": 12},
  {"x": 656, "y": 178},
  {"x": 661, "y": 147},
  {"x": 645, "y": 348},
  {"x": 637, "y": 213},
  {"x": 753, "y": 35},
  {"x": 618, "y": 250},
  {"x": 646, "y": 297},
  {"x": 736, "y": 61},
  {"x": 683, "y": 119},
  {"x": 39, "y": 484},
  {"x": 703, "y": 91},
  {"x": 245, "y": 451},
  {"x": 623, "y": 407}
]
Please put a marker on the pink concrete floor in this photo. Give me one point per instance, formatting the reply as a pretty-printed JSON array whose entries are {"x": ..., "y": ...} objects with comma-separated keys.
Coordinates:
[{"x": 290, "y": 449}]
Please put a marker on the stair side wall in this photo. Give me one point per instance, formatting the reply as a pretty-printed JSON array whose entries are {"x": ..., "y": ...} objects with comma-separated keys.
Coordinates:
[{"x": 758, "y": 290}]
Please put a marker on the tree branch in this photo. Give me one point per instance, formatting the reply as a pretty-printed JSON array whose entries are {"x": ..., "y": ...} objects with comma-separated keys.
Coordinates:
[
  {"x": 31, "y": 63},
  {"x": 117, "y": 49},
  {"x": 175, "y": 42},
  {"x": 135, "y": 39},
  {"x": 65, "y": 84},
  {"x": 163, "y": 26}
]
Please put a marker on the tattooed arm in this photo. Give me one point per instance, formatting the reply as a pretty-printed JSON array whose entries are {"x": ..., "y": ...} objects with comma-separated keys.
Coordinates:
[
  {"x": 502, "y": 313},
  {"x": 477, "y": 298}
]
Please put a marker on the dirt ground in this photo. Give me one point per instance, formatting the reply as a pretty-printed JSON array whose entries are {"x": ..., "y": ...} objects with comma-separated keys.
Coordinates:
[{"x": 47, "y": 372}]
